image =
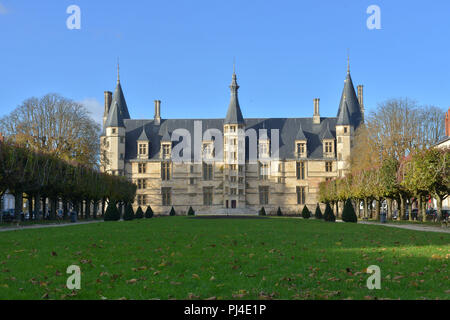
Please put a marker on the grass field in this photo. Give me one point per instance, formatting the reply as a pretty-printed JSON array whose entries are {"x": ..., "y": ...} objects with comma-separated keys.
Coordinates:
[{"x": 192, "y": 258}]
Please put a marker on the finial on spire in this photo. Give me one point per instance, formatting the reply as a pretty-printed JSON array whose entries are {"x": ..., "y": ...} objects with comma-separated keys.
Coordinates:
[
  {"x": 234, "y": 65},
  {"x": 118, "y": 70},
  {"x": 348, "y": 60}
]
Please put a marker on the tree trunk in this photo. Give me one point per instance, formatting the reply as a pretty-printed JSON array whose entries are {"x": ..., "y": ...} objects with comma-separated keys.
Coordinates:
[
  {"x": 37, "y": 206},
  {"x": 337, "y": 209},
  {"x": 44, "y": 208},
  {"x": 365, "y": 209},
  {"x": 389, "y": 208},
  {"x": 377, "y": 210},
  {"x": 424, "y": 209},
  {"x": 53, "y": 203},
  {"x": 439, "y": 207},
  {"x": 81, "y": 215},
  {"x": 410, "y": 210},
  {"x": 30, "y": 206},
  {"x": 87, "y": 213},
  {"x": 94, "y": 214},
  {"x": 18, "y": 204},
  {"x": 402, "y": 211},
  {"x": 103, "y": 207},
  {"x": 65, "y": 209},
  {"x": 76, "y": 207},
  {"x": 419, "y": 207}
]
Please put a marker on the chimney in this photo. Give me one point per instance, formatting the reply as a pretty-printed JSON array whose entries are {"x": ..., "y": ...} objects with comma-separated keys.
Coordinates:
[
  {"x": 316, "y": 117},
  {"x": 447, "y": 123},
  {"x": 108, "y": 100},
  {"x": 157, "y": 112}
]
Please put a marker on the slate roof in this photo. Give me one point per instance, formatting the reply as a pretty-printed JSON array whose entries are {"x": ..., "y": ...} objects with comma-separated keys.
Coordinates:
[
  {"x": 288, "y": 127},
  {"x": 234, "y": 114},
  {"x": 344, "y": 117},
  {"x": 350, "y": 100},
  {"x": 119, "y": 110}
]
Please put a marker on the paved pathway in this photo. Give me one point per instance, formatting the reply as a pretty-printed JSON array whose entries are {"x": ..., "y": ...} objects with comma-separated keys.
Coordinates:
[
  {"x": 41, "y": 226},
  {"x": 415, "y": 227}
]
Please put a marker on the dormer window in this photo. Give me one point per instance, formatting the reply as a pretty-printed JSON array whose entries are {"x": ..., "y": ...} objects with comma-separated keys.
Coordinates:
[
  {"x": 166, "y": 151},
  {"x": 264, "y": 147},
  {"x": 143, "y": 149},
  {"x": 208, "y": 150},
  {"x": 300, "y": 149},
  {"x": 328, "y": 148}
]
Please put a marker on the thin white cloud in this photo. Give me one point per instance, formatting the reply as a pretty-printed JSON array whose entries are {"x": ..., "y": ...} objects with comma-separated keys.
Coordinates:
[
  {"x": 3, "y": 9},
  {"x": 95, "y": 108}
]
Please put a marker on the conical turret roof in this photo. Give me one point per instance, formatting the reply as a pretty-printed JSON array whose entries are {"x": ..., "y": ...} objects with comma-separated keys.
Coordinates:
[{"x": 234, "y": 114}]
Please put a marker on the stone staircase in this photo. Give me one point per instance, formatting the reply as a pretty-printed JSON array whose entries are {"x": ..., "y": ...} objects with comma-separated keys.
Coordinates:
[{"x": 228, "y": 212}]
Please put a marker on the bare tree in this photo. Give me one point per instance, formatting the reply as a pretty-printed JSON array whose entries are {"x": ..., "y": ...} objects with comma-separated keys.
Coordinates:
[
  {"x": 396, "y": 128},
  {"x": 56, "y": 125}
]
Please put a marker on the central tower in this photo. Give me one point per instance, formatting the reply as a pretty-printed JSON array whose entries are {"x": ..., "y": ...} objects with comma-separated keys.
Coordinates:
[{"x": 234, "y": 152}]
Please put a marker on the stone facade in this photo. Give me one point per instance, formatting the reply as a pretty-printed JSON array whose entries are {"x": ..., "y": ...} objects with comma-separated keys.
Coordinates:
[{"x": 227, "y": 176}]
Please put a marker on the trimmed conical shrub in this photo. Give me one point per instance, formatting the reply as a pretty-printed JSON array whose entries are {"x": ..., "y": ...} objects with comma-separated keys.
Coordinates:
[
  {"x": 306, "y": 214},
  {"x": 191, "y": 212},
  {"x": 172, "y": 212},
  {"x": 139, "y": 213},
  {"x": 329, "y": 214},
  {"x": 318, "y": 213},
  {"x": 279, "y": 213},
  {"x": 149, "y": 213},
  {"x": 349, "y": 214},
  {"x": 129, "y": 214},
  {"x": 262, "y": 212},
  {"x": 112, "y": 213}
]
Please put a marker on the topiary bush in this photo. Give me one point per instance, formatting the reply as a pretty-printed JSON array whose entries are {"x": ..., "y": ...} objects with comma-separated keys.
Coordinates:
[
  {"x": 306, "y": 214},
  {"x": 262, "y": 212},
  {"x": 112, "y": 213},
  {"x": 279, "y": 213},
  {"x": 139, "y": 213},
  {"x": 172, "y": 212},
  {"x": 349, "y": 214},
  {"x": 329, "y": 214},
  {"x": 318, "y": 213},
  {"x": 191, "y": 212},
  {"x": 129, "y": 214},
  {"x": 149, "y": 213}
]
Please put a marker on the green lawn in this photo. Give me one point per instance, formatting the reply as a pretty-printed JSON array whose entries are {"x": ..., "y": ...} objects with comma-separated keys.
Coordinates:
[{"x": 191, "y": 258}]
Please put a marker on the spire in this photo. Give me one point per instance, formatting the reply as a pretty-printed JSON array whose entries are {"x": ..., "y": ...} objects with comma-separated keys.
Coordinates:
[
  {"x": 327, "y": 133},
  {"x": 350, "y": 100},
  {"x": 300, "y": 135},
  {"x": 234, "y": 114},
  {"x": 119, "y": 110},
  {"x": 143, "y": 136},
  {"x": 166, "y": 136}
]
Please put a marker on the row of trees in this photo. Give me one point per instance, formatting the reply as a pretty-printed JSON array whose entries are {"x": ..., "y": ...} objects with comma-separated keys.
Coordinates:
[
  {"x": 40, "y": 176},
  {"x": 394, "y": 158},
  {"x": 421, "y": 175}
]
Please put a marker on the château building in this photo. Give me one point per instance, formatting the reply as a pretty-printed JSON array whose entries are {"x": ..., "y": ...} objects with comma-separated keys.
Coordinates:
[{"x": 234, "y": 165}]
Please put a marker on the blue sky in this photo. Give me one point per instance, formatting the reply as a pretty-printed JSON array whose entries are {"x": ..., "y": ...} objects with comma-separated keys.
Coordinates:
[{"x": 181, "y": 52}]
